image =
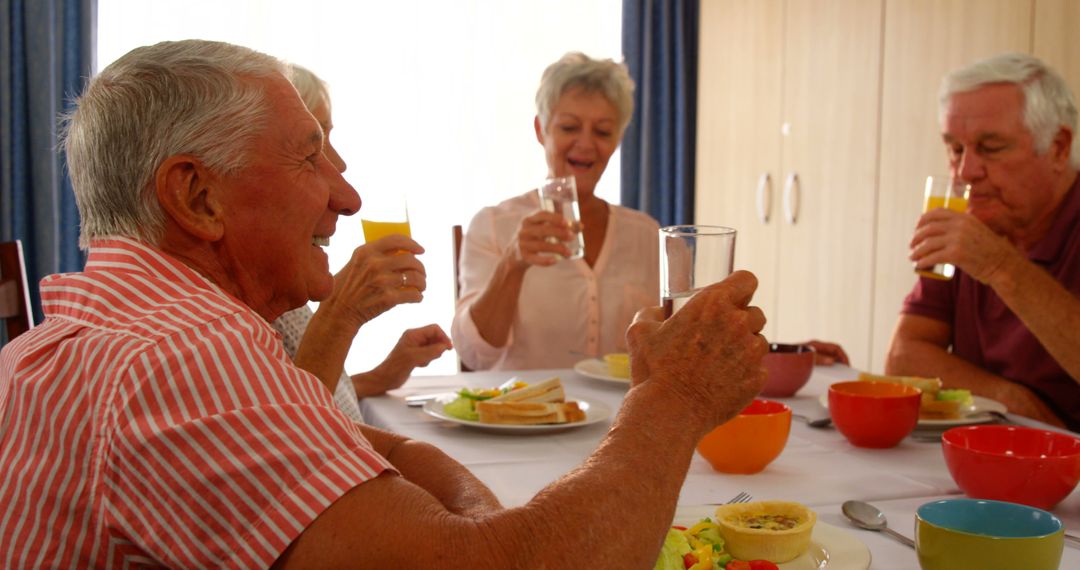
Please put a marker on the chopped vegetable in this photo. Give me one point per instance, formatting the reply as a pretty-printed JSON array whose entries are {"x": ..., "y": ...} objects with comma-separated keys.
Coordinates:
[
  {"x": 462, "y": 408},
  {"x": 956, "y": 395},
  {"x": 672, "y": 552},
  {"x": 701, "y": 547}
]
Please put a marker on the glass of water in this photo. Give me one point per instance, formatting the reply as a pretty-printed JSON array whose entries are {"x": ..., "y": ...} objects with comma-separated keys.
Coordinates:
[
  {"x": 559, "y": 195},
  {"x": 692, "y": 257}
]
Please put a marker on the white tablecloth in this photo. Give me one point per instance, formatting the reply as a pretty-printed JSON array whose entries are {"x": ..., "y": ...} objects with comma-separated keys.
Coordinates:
[{"x": 818, "y": 467}]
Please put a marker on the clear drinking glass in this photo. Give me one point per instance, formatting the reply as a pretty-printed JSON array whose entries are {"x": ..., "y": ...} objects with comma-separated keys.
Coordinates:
[
  {"x": 692, "y": 257},
  {"x": 943, "y": 192},
  {"x": 559, "y": 195}
]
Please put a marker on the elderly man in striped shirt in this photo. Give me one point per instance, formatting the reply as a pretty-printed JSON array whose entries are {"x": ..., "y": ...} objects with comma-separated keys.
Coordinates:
[{"x": 154, "y": 419}]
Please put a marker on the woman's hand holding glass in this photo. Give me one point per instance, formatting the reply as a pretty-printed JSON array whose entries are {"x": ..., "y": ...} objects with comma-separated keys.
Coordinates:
[{"x": 540, "y": 239}]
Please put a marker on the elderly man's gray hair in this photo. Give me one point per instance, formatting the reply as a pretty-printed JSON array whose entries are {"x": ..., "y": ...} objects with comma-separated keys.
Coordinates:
[
  {"x": 185, "y": 97},
  {"x": 1048, "y": 102},
  {"x": 312, "y": 88}
]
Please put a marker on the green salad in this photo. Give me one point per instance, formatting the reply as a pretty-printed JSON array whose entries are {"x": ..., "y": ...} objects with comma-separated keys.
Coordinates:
[
  {"x": 464, "y": 406},
  {"x": 701, "y": 547}
]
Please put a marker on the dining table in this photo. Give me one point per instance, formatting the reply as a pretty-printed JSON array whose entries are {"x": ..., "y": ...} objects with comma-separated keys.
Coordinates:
[{"x": 818, "y": 467}]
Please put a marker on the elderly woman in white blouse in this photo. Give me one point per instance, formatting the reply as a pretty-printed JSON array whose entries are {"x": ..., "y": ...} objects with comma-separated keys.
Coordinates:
[
  {"x": 379, "y": 276},
  {"x": 522, "y": 307}
]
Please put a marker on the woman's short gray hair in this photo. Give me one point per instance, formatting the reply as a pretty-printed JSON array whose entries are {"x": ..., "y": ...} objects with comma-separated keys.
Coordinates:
[
  {"x": 184, "y": 97},
  {"x": 1048, "y": 102},
  {"x": 312, "y": 88},
  {"x": 576, "y": 69}
]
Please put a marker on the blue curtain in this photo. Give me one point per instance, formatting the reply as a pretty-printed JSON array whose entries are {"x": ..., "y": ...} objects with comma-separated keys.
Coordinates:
[
  {"x": 48, "y": 52},
  {"x": 660, "y": 43}
]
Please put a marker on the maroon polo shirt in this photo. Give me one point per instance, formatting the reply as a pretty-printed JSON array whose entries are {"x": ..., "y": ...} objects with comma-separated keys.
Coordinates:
[{"x": 988, "y": 334}]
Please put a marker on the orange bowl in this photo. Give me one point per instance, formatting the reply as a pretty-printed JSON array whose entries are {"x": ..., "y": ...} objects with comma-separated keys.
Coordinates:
[
  {"x": 749, "y": 441},
  {"x": 874, "y": 414}
]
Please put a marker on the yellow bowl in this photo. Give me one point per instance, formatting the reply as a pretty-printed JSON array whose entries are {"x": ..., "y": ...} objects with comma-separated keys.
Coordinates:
[
  {"x": 618, "y": 364},
  {"x": 776, "y": 545},
  {"x": 969, "y": 533}
]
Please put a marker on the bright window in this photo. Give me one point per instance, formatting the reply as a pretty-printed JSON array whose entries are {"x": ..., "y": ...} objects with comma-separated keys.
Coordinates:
[{"x": 432, "y": 98}]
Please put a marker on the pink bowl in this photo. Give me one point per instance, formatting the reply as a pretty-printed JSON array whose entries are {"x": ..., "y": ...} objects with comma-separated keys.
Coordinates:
[
  {"x": 789, "y": 367},
  {"x": 1011, "y": 463}
]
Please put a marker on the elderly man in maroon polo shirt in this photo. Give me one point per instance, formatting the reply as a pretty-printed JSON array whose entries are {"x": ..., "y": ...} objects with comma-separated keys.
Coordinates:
[{"x": 1008, "y": 325}]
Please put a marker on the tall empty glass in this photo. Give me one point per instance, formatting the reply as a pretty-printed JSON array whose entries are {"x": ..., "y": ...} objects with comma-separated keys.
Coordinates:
[
  {"x": 559, "y": 195},
  {"x": 692, "y": 257},
  {"x": 943, "y": 192}
]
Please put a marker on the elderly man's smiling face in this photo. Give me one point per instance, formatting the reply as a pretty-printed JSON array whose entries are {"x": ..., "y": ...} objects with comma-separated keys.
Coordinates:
[
  {"x": 282, "y": 208},
  {"x": 1012, "y": 185}
]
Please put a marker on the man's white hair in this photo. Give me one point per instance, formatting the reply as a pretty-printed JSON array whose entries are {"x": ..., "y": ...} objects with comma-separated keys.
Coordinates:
[
  {"x": 312, "y": 88},
  {"x": 186, "y": 97},
  {"x": 1048, "y": 102}
]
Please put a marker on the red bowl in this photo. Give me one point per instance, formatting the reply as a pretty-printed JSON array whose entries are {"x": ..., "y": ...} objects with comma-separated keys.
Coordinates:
[
  {"x": 874, "y": 414},
  {"x": 1011, "y": 463},
  {"x": 789, "y": 367}
]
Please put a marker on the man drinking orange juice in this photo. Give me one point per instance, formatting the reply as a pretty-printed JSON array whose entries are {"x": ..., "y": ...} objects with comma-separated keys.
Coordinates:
[{"x": 1006, "y": 326}]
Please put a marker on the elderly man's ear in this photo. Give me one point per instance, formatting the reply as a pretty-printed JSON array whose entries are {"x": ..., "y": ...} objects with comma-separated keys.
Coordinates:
[
  {"x": 189, "y": 194},
  {"x": 1061, "y": 147}
]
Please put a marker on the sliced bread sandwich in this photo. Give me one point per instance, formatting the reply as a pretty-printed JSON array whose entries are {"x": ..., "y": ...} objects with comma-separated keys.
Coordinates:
[{"x": 540, "y": 403}]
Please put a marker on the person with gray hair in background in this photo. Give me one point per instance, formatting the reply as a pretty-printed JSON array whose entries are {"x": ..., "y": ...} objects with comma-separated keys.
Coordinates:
[
  {"x": 374, "y": 280},
  {"x": 1007, "y": 326},
  {"x": 154, "y": 420},
  {"x": 523, "y": 307}
]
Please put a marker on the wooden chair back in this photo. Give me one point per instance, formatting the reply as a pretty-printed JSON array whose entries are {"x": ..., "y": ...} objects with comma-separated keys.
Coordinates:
[
  {"x": 15, "y": 306},
  {"x": 457, "y": 236}
]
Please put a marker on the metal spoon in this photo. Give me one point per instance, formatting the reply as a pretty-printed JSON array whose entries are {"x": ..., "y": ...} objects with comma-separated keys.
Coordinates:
[
  {"x": 870, "y": 517},
  {"x": 818, "y": 423}
]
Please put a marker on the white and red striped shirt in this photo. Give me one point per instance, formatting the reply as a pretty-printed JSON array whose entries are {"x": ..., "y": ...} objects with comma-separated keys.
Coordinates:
[{"x": 154, "y": 420}]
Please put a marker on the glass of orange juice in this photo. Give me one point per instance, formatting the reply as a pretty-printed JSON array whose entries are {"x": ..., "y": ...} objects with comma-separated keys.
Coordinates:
[
  {"x": 383, "y": 215},
  {"x": 943, "y": 192}
]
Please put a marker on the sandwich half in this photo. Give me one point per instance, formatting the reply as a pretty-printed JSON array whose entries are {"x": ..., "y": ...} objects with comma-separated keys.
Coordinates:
[
  {"x": 540, "y": 403},
  {"x": 529, "y": 413}
]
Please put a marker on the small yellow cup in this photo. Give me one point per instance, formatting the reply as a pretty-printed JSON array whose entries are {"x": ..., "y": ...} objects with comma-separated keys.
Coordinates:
[{"x": 618, "y": 364}]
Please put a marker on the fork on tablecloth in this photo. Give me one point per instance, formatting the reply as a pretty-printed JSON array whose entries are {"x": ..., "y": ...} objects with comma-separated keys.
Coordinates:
[{"x": 742, "y": 497}]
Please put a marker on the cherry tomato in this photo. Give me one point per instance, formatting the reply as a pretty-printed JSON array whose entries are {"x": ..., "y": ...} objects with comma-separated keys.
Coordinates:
[
  {"x": 751, "y": 565},
  {"x": 688, "y": 560}
]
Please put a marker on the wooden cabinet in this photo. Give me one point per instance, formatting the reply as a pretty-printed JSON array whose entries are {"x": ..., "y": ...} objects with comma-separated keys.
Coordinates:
[
  {"x": 924, "y": 40},
  {"x": 787, "y": 149},
  {"x": 1057, "y": 38},
  {"x": 739, "y": 117},
  {"x": 842, "y": 93}
]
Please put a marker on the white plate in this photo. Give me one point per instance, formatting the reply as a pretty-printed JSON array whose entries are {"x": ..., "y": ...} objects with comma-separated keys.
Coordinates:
[
  {"x": 594, "y": 412},
  {"x": 597, "y": 369},
  {"x": 974, "y": 416},
  {"x": 830, "y": 547}
]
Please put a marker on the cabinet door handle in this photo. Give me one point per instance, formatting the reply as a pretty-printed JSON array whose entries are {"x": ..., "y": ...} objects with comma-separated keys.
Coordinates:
[
  {"x": 791, "y": 198},
  {"x": 764, "y": 197}
]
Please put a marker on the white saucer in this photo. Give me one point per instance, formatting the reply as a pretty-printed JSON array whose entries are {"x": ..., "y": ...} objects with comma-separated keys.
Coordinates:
[{"x": 597, "y": 369}]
